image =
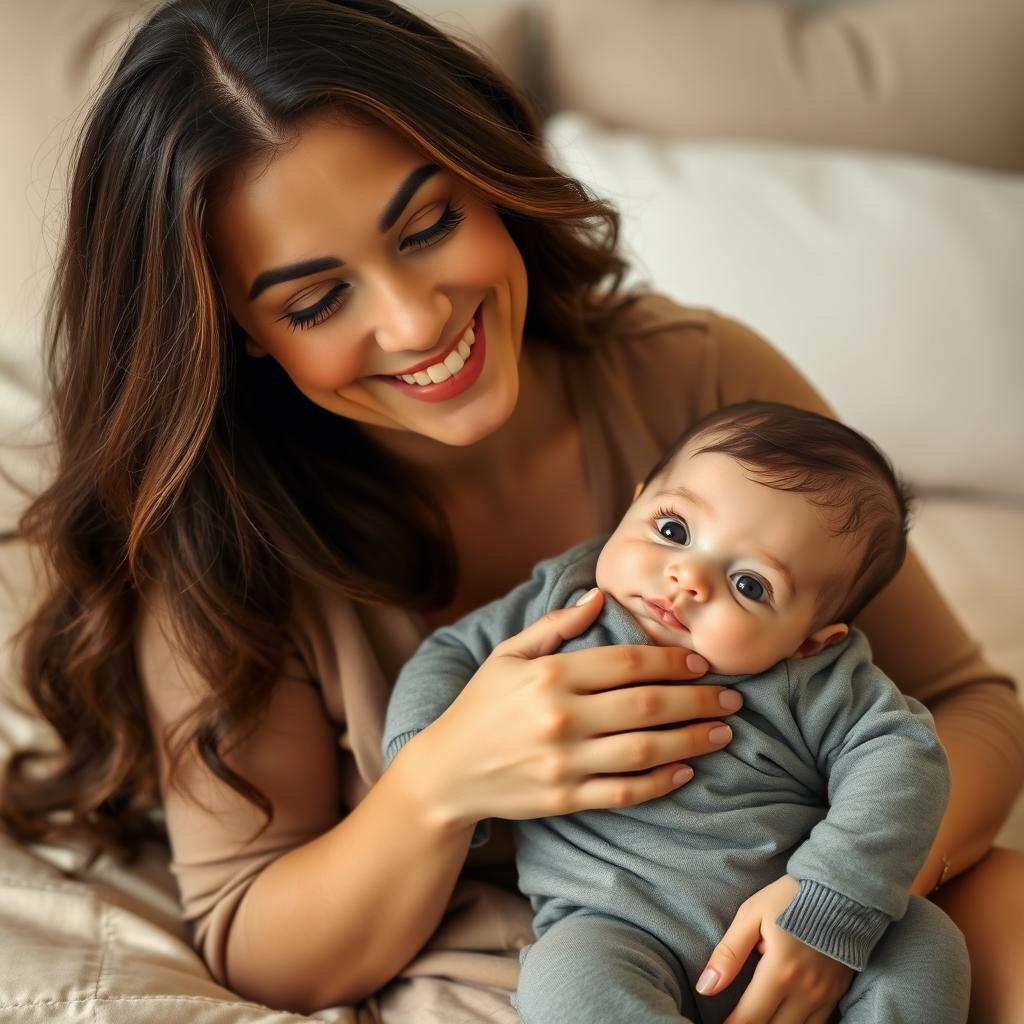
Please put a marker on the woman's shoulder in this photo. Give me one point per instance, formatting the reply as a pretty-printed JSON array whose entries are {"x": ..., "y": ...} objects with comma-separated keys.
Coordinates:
[
  {"x": 657, "y": 346},
  {"x": 648, "y": 314},
  {"x": 655, "y": 325}
]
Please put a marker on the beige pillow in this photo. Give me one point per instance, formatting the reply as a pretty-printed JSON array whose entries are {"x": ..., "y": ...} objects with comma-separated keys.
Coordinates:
[{"x": 941, "y": 78}]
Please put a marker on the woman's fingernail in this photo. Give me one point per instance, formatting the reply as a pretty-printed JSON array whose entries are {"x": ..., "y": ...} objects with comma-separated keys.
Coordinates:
[
  {"x": 683, "y": 775},
  {"x": 695, "y": 663},
  {"x": 720, "y": 734},
  {"x": 730, "y": 700},
  {"x": 707, "y": 981},
  {"x": 588, "y": 596}
]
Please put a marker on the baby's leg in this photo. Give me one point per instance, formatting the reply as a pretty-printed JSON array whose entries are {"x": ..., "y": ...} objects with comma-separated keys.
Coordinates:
[
  {"x": 919, "y": 973},
  {"x": 601, "y": 970}
]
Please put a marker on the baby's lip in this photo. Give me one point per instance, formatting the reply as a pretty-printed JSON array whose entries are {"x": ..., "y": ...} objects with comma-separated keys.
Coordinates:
[{"x": 664, "y": 611}]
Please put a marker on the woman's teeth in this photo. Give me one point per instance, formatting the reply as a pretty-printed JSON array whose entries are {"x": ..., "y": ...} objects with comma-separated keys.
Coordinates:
[{"x": 448, "y": 367}]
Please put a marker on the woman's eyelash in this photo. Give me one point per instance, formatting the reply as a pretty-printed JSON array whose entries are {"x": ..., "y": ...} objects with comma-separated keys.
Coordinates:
[
  {"x": 452, "y": 217},
  {"x": 449, "y": 220},
  {"x": 320, "y": 312}
]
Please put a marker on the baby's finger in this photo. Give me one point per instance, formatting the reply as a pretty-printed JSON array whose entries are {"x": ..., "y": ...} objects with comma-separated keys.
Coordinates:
[
  {"x": 758, "y": 1005},
  {"x": 762, "y": 999},
  {"x": 731, "y": 953},
  {"x": 789, "y": 1011},
  {"x": 640, "y": 751},
  {"x": 550, "y": 631},
  {"x": 604, "y": 668},
  {"x": 601, "y": 791},
  {"x": 821, "y": 1016}
]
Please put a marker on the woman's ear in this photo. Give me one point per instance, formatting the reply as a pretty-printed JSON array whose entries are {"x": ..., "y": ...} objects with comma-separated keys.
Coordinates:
[{"x": 820, "y": 639}]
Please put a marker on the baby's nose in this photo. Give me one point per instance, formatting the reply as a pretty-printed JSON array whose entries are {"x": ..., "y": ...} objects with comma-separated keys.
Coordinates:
[{"x": 691, "y": 578}]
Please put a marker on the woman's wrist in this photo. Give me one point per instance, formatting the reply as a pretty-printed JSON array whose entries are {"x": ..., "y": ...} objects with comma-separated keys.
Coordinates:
[{"x": 431, "y": 797}]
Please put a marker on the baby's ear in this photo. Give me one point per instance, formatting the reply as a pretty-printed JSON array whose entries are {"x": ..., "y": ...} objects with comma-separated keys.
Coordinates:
[
  {"x": 820, "y": 639},
  {"x": 636, "y": 491}
]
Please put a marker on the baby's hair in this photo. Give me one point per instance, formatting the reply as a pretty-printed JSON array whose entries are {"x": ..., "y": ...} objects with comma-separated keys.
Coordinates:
[{"x": 836, "y": 467}]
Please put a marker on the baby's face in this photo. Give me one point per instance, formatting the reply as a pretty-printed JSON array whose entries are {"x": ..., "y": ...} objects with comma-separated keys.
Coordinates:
[{"x": 709, "y": 559}]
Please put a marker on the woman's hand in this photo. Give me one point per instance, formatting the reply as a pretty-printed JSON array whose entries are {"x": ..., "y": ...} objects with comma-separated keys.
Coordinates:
[
  {"x": 792, "y": 984},
  {"x": 535, "y": 733}
]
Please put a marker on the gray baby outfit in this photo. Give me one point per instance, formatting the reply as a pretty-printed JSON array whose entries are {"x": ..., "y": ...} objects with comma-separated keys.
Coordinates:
[{"x": 832, "y": 776}]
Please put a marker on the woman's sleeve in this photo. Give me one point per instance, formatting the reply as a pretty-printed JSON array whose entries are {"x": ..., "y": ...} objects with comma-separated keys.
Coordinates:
[
  {"x": 915, "y": 637},
  {"x": 292, "y": 756}
]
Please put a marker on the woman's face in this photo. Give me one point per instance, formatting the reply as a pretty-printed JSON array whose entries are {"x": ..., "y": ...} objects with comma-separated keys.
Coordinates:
[{"x": 354, "y": 262}]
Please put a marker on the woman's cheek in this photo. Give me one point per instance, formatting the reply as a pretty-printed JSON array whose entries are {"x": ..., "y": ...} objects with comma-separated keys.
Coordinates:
[
  {"x": 320, "y": 364},
  {"x": 487, "y": 254}
]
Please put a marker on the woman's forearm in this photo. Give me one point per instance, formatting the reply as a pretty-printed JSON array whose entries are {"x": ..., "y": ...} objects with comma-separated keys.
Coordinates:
[
  {"x": 332, "y": 921},
  {"x": 982, "y": 729}
]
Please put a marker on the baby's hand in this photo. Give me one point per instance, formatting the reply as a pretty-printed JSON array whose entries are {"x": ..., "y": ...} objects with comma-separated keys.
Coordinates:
[{"x": 792, "y": 984}]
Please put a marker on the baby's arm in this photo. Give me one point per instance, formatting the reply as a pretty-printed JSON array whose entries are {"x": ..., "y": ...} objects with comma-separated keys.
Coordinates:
[{"x": 888, "y": 785}]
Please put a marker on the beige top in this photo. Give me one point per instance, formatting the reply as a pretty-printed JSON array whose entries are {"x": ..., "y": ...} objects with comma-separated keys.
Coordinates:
[{"x": 318, "y": 751}]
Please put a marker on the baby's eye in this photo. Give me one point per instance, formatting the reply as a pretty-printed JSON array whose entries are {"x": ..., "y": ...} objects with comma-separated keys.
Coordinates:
[
  {"x": 751, "y": 587},
  {"x": 672, "y": 529}
]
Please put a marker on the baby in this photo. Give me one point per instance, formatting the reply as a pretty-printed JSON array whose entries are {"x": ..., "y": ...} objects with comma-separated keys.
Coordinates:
[{"x": 754, "y": 541}]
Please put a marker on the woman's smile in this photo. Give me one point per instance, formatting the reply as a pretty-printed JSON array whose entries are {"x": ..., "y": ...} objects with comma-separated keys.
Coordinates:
[{"x": 450, "y": 373}]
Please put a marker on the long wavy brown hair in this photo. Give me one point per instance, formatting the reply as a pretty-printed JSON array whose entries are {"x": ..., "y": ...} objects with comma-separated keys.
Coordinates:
[{"x": 185, "y": 466}]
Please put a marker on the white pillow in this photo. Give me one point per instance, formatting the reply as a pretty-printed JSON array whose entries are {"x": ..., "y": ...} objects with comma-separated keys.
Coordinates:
[{"x": 896, "y": 284}]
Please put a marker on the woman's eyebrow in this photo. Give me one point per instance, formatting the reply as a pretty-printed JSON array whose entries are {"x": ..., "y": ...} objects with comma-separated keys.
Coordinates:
[
  {"x": 405, "y": 192},
  {"x": 392, "y": 212},
  {"x": 291, "y": 272}
]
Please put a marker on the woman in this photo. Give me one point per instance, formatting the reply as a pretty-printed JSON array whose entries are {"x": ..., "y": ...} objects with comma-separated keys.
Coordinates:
[{"x": 323, "y": 314}]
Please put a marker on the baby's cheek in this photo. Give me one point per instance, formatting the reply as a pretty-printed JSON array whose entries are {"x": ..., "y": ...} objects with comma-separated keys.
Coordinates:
[
  {"x": 605, "y": 574},
  {"x": 618, "y": 571},
  {"x": 731, "y": 645}
]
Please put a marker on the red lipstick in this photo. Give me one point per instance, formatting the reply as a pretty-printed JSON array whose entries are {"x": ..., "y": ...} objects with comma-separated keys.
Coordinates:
[{"x": 445, "y": 389}]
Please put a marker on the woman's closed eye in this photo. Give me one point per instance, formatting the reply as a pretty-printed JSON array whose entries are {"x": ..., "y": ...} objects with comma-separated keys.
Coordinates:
[
  {"x": 317, "y": 314},
  {"x": 451, "y": 217}
]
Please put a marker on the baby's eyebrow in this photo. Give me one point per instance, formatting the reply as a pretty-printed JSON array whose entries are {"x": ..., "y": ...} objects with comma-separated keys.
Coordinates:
[{"x": 782, "y": 569}]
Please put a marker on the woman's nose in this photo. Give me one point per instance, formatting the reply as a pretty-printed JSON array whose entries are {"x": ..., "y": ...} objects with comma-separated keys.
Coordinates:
[
  {"x": 411, "y": 321},
  {"x": 690, "y": 577}
]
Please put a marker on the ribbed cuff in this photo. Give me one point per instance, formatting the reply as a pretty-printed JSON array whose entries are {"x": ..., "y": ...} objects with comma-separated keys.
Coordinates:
[
  {"x": 396, "y": 745},
  {"x": 833, "y": 924}
]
